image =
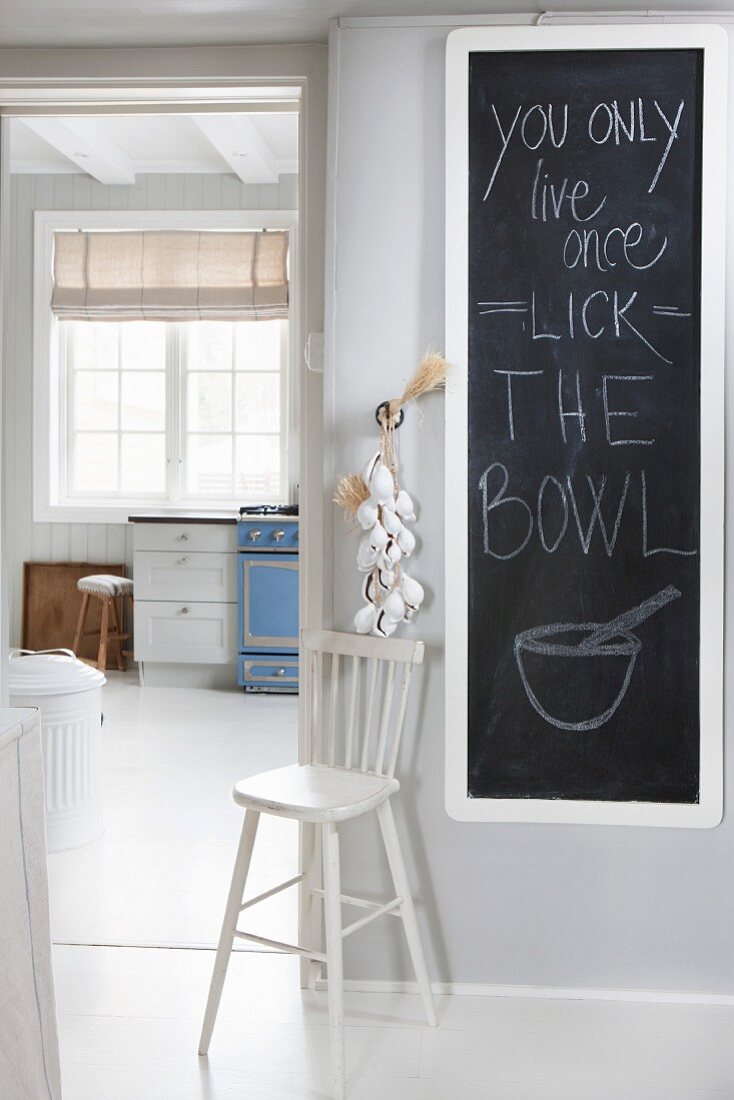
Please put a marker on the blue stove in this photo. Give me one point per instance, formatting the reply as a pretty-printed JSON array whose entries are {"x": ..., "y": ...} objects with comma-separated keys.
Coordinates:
[{"x": 267, "y": 587}]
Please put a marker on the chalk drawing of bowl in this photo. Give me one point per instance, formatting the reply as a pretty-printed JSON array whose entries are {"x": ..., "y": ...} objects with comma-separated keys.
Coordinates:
[{"x": 571, "y": 681}]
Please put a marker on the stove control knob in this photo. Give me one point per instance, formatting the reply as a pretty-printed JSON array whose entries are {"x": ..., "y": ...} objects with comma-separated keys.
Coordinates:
[
  {"x": 255, "y": 535},
  {"x": 279, "y": 535}
]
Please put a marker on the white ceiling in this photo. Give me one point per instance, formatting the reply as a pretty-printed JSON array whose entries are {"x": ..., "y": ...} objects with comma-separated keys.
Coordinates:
[
  {"x": 233, "y": 22},
  {"x": 163, "y": 22},
  {"x": 257, "y": 147},
  {"x": 207, "y": 22}
]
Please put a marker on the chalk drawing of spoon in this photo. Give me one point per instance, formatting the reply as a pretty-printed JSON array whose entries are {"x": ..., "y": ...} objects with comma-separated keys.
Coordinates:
[{"x": 557, "y": 661}]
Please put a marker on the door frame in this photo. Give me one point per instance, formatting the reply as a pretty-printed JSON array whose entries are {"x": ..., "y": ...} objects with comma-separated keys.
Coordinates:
[{"x": 168, "y": 80}]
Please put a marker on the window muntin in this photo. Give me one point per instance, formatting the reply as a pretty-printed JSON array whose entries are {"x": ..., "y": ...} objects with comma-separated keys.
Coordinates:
[
  {"x": 180, "y": 413},
  {"x": 232, "y": 431}
]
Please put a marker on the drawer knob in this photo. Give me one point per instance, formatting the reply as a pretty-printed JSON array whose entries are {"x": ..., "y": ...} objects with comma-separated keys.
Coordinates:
[
  {"x": 255, "y": 535},
  {"x": 184, "y": 611},
  {"x": 279, "y": 535},
  {"x": 280, "y": 672},
  {"x": 183, "y": 561},
  {"x": 182, "y": 537}
]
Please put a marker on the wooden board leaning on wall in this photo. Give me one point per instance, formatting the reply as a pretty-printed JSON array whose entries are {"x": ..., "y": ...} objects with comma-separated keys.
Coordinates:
[{"x": 51, "y": 603}]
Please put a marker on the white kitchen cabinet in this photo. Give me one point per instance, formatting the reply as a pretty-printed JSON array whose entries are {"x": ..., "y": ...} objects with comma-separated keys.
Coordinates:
[
  {"x": 185, "y": 633},
  {"x": 160, "y": 575},
  {"x": 185, "y": 576},
  {"x": 187, "y": 537}
]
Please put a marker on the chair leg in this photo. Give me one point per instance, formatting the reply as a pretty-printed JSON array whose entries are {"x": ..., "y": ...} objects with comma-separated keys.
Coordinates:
[
  {"x": 141, "y": 671},
  {"x": 309, "y": 913},
  {"x": 407, "y": 909},
  {"x": 80, "y": 622},
  {"x": 231, "y": 914},
  {"x": 117, "y": 624},
  {"x": 103, "y": 631},
  {"x": 334, "y": 962}
]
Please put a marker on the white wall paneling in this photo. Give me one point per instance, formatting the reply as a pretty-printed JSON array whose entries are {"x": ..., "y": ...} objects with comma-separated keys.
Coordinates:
[
  {"x": 27, "y": 540},
  {"x": 529, "y": 904}
]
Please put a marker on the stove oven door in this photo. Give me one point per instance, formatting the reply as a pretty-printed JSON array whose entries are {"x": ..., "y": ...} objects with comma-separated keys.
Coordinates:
[{"x": 268, "y": 602}]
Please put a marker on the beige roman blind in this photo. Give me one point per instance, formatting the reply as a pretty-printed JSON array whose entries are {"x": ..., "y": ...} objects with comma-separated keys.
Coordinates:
[{"x": 170, "y": 275}]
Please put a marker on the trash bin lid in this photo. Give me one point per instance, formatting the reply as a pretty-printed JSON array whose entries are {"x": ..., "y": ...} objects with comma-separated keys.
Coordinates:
[{"x": 50, "y": 672}]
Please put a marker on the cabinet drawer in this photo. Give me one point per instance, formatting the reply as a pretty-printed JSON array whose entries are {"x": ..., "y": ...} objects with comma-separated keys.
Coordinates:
[
  {"x": 272, "y": 672},
  {"x": 184, "y": 537},
  {"x": 188, "y": 633},
  {"x": 185, "y": 575}
]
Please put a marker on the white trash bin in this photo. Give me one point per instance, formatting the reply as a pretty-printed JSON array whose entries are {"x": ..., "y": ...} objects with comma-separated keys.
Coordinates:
[{"x": 68, "y": 694}]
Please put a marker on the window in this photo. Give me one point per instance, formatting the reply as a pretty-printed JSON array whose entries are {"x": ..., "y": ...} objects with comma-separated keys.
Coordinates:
[
  {"x": 181, "y": 412},
  {"x": 115, "y": 409},
  {"x": 167, "y": 414}
]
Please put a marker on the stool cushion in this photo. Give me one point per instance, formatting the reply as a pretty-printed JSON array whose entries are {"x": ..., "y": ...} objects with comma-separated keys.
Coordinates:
[{"x": 104, "y": 584}]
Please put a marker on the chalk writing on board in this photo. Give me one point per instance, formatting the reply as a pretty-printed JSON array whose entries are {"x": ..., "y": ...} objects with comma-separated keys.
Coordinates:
[
  {"x": 605, "y": 125},
  {"x": 596, "y": 644},
  {"x": 553, "y": 494},
  {"x": 584, "y": 321}
]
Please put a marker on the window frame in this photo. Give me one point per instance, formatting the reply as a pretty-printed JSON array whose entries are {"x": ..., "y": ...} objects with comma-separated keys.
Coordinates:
[{"x": 51, "y": 501}]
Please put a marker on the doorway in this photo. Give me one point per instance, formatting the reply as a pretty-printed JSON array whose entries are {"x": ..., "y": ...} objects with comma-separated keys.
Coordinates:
[{"x": 173, "y": 750}]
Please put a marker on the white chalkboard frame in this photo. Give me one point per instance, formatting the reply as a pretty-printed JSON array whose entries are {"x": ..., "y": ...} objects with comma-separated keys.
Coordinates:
[{"x": 707, "y": 813}]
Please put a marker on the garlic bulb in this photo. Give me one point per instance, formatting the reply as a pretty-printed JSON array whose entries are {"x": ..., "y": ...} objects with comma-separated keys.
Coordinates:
[
  {"x": 378, "y": 537},
  {"x": 412, "y": 592},
  {"x": 365, "y": 619},
  {"x": 384, "y": 627},
  {"x": 404, "y": 506},
  {"x": 382, "y": 484},
  {"x": 394, "y": 607},
  {"x": 367, "y": 514},
  {"x": 390, "y": 595},
  {"x": 406, "y": 541},
  {"x": 366, "y": 555},
  {"x": 391, "y": 522}
]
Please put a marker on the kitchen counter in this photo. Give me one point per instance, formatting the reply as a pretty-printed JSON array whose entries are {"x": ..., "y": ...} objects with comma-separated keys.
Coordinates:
[{"x": 184, "y": 517}]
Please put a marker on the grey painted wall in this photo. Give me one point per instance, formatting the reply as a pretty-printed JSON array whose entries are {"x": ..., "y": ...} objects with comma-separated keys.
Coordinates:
[
  {"x": 26, "y": 540},
  {"x": 530, "y": 904}
]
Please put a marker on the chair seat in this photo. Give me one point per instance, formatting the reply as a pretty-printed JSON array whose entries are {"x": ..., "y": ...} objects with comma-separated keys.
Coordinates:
[
  {"x": 314, "y": 793},
  {"x": 104, "y": 584}
]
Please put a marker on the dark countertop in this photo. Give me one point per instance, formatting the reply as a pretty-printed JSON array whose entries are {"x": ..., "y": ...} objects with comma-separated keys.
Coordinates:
[{"x": 185, "y": 517}]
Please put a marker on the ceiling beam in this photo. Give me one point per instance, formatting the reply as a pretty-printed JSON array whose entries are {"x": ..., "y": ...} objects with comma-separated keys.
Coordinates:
[
  {"x": 241, "y": 145},
  {"x": 81, "y": 142}
]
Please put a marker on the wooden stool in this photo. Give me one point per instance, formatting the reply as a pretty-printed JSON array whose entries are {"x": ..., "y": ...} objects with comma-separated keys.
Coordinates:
[{"x": 111, "y": 591}]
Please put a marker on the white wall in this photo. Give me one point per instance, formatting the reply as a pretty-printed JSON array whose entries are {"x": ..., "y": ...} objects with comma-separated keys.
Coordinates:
[
  {"x": 529, "y": 904},
  {"x": 26, "y": 540}
]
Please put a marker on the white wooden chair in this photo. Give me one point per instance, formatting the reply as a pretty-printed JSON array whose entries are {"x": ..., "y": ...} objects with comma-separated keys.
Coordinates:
[{"x": 353, "y": 748}]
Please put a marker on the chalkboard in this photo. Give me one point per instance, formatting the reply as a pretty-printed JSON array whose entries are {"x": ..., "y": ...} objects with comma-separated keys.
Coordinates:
[{"x": 583, "y": 463}]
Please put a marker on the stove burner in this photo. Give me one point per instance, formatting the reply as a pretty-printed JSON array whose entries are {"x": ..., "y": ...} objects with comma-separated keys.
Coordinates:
[{"x": 269, "y": 510}]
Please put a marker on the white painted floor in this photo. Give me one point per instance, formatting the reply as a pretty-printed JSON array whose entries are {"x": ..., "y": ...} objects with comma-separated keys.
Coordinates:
[
  {"x": 160, "y": 874},
  {"x": 129, "y": 1023},
  {"x": 129, "y": 1017}
]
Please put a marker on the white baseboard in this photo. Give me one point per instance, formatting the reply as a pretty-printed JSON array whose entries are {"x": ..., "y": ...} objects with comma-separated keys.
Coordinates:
[
  {"x": 541, "y": 992},
  {"x": 455, "y": 989}
]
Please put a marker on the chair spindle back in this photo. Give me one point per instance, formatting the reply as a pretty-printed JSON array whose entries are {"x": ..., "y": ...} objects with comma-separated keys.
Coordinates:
[{"x": 359, "y": 688}]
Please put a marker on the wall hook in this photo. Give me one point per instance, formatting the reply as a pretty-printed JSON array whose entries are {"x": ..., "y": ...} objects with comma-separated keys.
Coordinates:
[{"x": 383, "y": 411}]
